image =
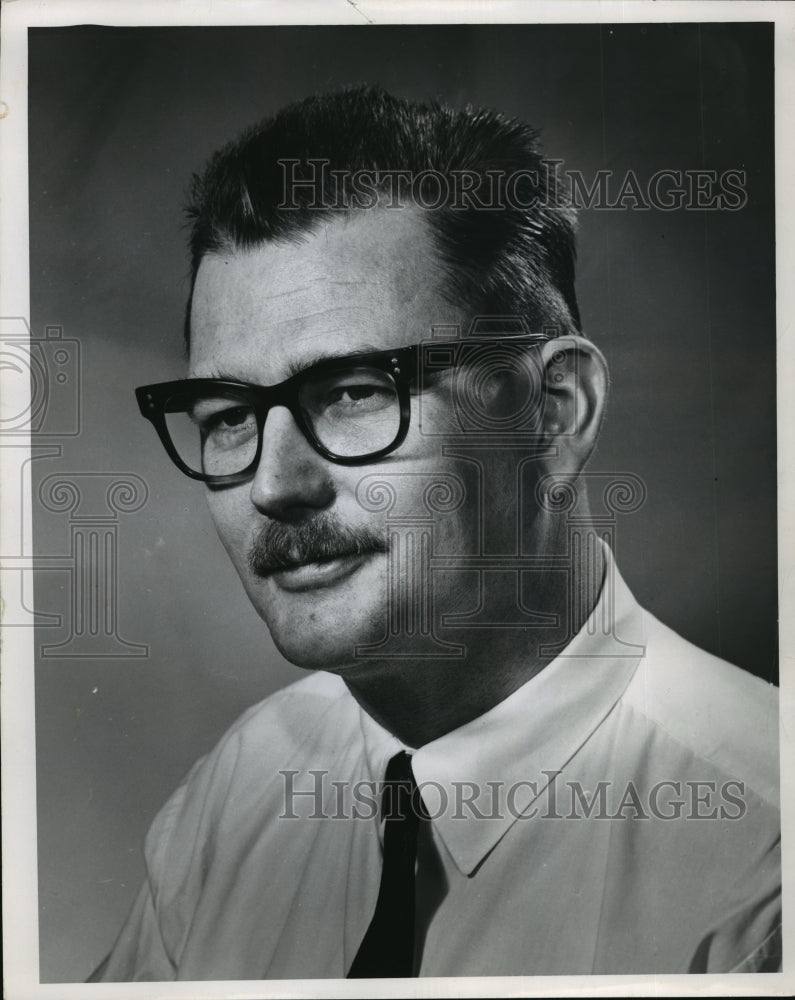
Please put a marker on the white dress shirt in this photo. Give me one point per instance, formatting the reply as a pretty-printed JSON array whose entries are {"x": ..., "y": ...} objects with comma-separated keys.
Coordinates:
[{"x": 674, "y": 868}]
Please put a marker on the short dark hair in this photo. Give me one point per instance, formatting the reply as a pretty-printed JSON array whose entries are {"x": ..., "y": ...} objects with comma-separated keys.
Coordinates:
[{"x": 515, "y": 256}]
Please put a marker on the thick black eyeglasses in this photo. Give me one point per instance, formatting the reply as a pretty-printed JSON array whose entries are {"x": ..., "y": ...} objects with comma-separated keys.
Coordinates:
[{"x": 352, "y": 409}]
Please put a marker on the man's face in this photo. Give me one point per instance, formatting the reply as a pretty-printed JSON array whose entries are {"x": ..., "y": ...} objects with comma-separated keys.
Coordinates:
[{"x": 369, "y": 282}]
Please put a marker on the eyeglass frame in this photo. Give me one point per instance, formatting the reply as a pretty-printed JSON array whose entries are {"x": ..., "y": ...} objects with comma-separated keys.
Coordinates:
[{"x": 401, "y": 364}]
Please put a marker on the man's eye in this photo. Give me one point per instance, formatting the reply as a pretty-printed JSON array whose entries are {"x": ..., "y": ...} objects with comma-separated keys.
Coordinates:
[
  {"x": 229, "y": 420},
  {"x": 354, "y": 397},
  {"x": 353, "y": 394},
  {"x": 234, "y": 418}
]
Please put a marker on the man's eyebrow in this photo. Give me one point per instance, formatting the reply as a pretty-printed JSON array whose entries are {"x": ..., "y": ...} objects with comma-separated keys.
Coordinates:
[
  {"x": 219, "y": 375},
  {"x": 297, "y": 366}
]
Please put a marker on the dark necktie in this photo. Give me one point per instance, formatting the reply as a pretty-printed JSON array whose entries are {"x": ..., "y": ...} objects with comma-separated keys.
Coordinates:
[{"x": 387, "y": 948}]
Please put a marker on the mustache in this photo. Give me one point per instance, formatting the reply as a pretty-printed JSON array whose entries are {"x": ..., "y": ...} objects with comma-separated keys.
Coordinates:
[{"x": 283, "y": 546}]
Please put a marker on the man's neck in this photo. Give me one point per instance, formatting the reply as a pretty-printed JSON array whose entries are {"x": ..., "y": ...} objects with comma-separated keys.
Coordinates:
[{"x": 420, "y": 699}]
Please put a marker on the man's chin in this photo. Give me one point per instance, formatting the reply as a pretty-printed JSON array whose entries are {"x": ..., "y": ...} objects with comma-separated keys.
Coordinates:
[
  {"x": 332, "y": 648},
  {"x": 319, "y": 613}
]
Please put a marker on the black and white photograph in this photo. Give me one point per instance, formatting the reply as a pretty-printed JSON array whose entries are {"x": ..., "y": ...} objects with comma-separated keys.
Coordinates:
[{"x": 397, "y": 515}]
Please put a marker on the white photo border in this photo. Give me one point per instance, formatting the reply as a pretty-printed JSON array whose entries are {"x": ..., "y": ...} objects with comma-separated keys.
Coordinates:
[{"x": 20, "y": 906}]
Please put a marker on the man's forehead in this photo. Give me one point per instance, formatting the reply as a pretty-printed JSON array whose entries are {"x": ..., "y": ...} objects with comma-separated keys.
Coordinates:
[{"x": 369, "y": 280}]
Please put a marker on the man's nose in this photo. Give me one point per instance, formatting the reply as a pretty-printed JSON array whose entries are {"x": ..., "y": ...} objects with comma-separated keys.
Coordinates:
[{"x": 291, "y": 478}]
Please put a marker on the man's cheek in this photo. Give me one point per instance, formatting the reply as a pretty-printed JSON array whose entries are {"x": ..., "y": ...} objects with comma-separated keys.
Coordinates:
[{"x": 235, "y": 540}]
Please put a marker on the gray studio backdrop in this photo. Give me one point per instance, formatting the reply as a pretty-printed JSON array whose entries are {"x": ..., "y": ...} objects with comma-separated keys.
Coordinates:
[{"x": 681, "y": 302}]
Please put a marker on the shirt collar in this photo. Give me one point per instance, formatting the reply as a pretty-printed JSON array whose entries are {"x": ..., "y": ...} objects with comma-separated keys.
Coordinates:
[{"x": 526, "y": 738}]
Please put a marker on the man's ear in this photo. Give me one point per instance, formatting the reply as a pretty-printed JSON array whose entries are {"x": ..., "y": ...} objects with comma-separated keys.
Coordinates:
[{"x": 576, "y": 382}]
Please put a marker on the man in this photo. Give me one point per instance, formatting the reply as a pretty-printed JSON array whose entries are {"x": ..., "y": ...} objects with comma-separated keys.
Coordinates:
[{"x": 499, "y": 764}]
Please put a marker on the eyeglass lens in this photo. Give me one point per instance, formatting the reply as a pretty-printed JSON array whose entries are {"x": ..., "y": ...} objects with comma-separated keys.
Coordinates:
[{"x": 352, "y": 413}]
